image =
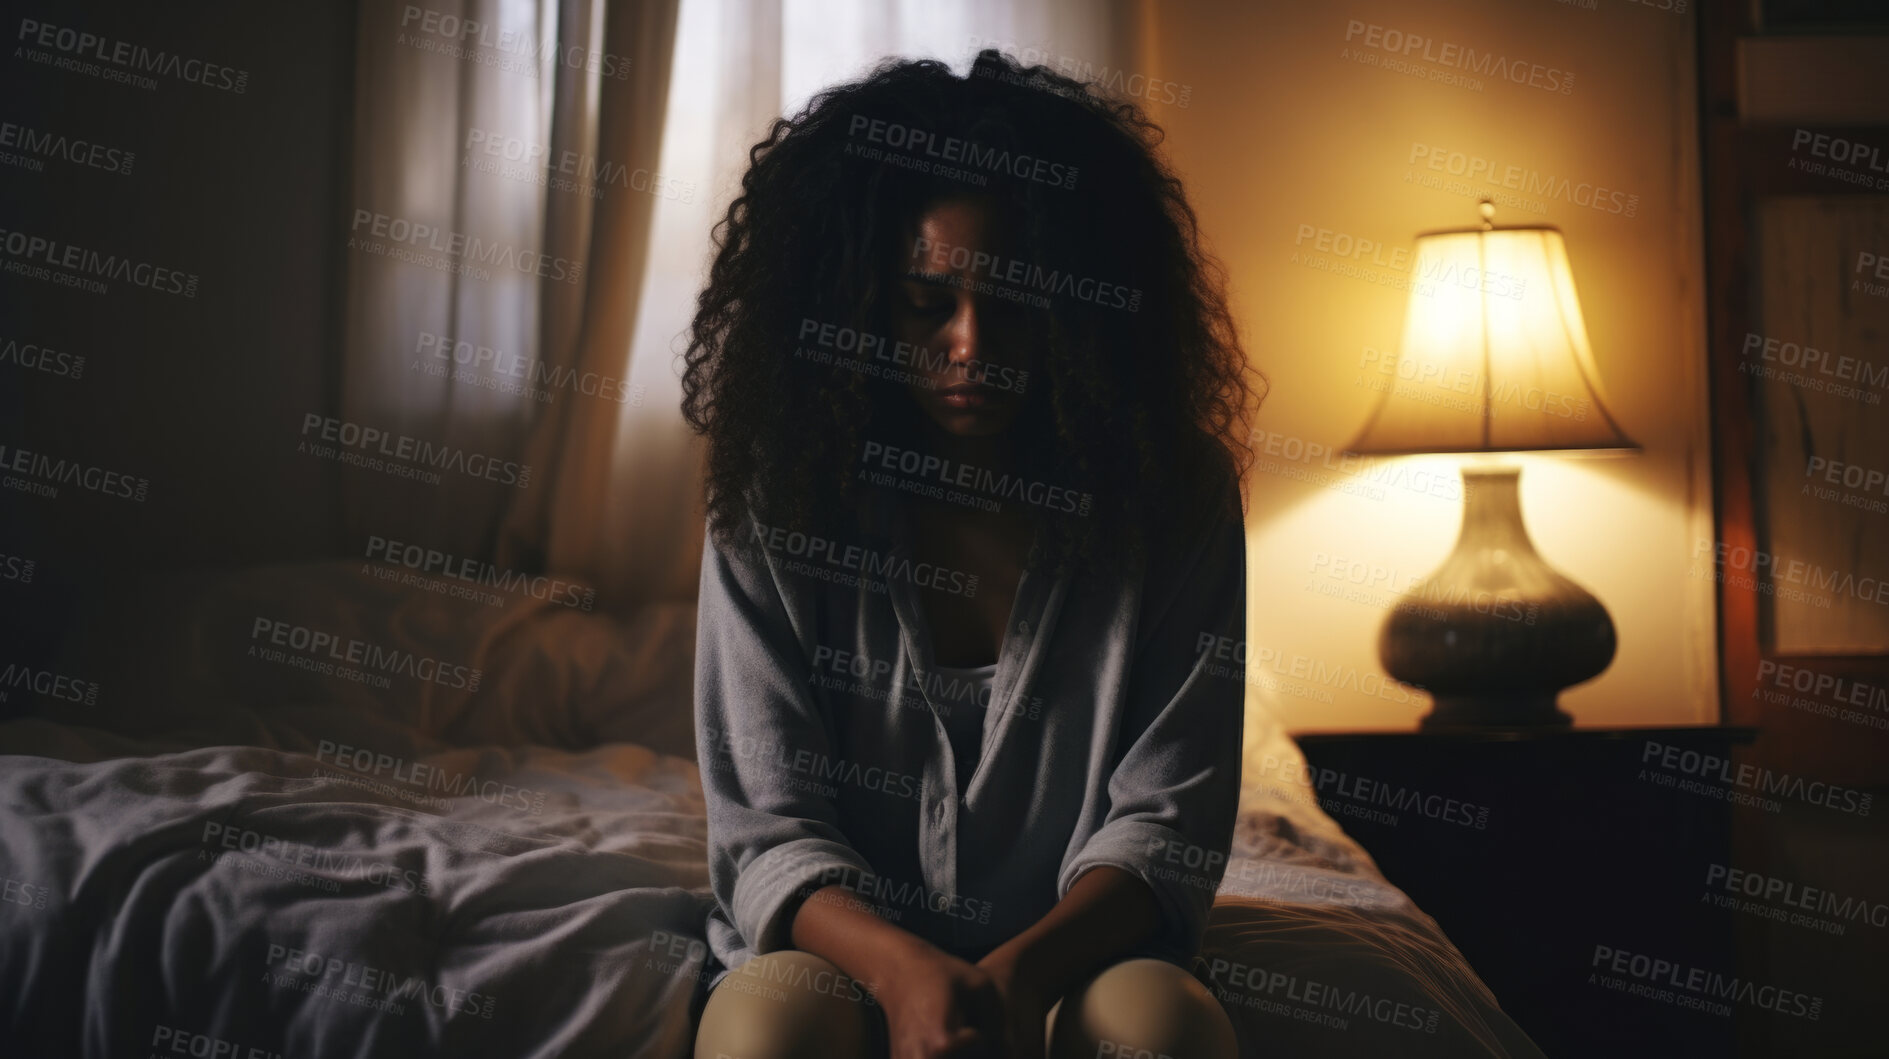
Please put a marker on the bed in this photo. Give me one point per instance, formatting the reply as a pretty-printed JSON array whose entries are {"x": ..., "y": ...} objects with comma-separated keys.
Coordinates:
[{"x": 325, "y": 810}]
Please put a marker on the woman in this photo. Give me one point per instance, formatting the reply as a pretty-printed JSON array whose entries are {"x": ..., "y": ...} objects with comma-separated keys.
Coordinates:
[{"x": 975, "y": 411}]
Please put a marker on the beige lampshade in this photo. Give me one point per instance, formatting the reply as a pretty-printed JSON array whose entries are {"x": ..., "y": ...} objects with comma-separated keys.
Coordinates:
[{"x": 1494, "y": 355}]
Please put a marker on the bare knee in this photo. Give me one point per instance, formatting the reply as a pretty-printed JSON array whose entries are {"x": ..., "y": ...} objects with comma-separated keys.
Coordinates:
[
  {"x": 1142, "y": 1009},
  {"x": 786, "y": 1005}
]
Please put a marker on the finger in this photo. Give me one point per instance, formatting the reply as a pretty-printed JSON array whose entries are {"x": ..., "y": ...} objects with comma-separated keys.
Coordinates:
[{"x": 986, "y": 1011}]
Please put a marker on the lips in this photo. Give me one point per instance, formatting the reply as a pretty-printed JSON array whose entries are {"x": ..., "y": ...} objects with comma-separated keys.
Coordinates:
[{"x": 968, "y": 395}]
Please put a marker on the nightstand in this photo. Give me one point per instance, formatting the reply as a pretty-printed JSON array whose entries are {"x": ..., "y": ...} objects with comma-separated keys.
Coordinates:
[{"x": 1533, "y": 851}]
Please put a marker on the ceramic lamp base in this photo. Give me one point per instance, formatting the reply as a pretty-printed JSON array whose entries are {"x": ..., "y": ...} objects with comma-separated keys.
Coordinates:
[{"x": 1496, "y": 633}]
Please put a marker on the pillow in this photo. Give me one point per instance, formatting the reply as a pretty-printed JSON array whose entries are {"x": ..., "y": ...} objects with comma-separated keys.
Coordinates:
[{"x": 294, "y": 655}]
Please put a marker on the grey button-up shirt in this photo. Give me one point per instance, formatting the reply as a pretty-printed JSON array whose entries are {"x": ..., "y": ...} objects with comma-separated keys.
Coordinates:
[{"x": 823, "y": 761}]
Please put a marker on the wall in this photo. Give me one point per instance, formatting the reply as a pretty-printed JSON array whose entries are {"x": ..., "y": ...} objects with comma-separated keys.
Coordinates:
[
  {"x": 1298, "y": 142},
  {"x": 229, "y": 170}
]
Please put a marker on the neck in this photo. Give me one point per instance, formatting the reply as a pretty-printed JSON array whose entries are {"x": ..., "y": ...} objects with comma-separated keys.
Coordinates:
[{"x": 996, "y": 453}]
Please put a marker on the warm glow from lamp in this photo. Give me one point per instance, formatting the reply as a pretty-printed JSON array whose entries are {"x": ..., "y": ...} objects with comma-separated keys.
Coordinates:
[
  {"x": 1494, "y": 355},
  {"x": 1494, "y": 358}
]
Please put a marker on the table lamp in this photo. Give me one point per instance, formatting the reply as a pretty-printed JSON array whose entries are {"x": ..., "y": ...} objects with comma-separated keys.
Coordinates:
[{"x": 1494, "y": 358}]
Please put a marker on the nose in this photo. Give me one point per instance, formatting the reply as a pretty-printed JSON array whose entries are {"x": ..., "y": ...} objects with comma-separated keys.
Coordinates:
[{"x": 966, "y": 335}]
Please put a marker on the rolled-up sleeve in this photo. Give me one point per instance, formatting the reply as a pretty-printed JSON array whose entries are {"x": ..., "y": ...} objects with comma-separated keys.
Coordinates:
[
  {"x": 1174, "y": 794},
  {"x": 770, "y": 838}
]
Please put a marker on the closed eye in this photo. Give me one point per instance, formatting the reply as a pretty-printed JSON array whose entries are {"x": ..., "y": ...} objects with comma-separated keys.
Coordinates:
[{"x": 926, "y": 299}]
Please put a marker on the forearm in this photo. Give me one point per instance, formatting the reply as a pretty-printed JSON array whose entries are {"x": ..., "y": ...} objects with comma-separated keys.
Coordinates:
[
  {"x": 1106, "y": 914},
  {"x": 832, "y": 923}
]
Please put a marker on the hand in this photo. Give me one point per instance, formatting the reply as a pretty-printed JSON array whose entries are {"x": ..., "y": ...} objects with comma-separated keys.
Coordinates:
[
  {"x": 940, "y": 1007},
  {"x": 1026, "y": 1005}
]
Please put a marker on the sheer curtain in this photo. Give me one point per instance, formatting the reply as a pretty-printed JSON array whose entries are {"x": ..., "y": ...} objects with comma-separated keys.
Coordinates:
[
  {"x": 498, "y": 215},
  {"x": 623, "y": 506}
]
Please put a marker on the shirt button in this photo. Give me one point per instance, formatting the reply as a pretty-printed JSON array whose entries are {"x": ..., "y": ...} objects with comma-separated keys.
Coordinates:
[{"x": 1023, "y": 627}]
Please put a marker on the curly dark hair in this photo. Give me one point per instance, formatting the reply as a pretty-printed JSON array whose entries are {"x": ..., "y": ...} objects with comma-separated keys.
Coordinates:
[{"x": 1148, "y": 411}]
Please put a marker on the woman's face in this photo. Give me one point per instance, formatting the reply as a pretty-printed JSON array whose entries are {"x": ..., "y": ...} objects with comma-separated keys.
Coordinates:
[{"x": 970, "y": 351}]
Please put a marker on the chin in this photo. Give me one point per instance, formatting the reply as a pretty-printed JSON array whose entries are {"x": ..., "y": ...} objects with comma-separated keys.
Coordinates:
[{"x": 970, "y": 425}]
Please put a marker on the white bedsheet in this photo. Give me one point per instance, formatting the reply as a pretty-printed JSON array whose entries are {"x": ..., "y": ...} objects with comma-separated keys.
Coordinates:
[
  {"x": 518, "y": 870},
  {"x": 214, "y": 892}
]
